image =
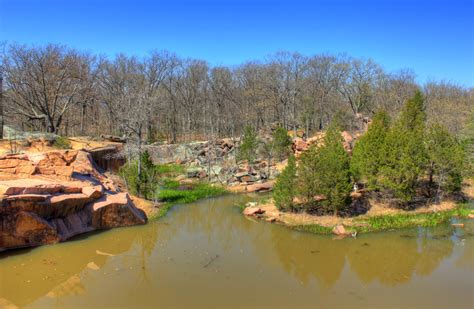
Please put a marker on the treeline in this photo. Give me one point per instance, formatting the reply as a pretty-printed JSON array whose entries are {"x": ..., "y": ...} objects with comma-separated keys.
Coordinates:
[
  {"x": 403, "y": 160},
  {"x": 57, "y": 89}
]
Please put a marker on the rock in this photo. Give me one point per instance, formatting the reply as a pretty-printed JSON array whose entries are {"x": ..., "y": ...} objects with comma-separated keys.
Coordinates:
[
  {"x": 50, "y": 197},
  {"x": 470, "y": 216},
  {"x": 340, "y": 230},
  {"x": 180, "y": 177},
  {"x": 239, "y": 175},
  {"x": 202, "y": 174},
  {"x": 300, "y": 145},
  {"x": 458, "y": 224},
  {"x": 251, "y": 204},
  {"x": 248, "y": 178},
  {"x": 261, "y": 187},
  {"x": 252, "y": 211}
]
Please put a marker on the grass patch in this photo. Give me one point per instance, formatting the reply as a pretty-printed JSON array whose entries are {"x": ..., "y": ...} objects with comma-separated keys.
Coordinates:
[
  {"x": 313, "y": 228},
  {"x": 197, "y": 192},
  {"x": 400, "y": 221},
  {"x": 166, "y": 169}
]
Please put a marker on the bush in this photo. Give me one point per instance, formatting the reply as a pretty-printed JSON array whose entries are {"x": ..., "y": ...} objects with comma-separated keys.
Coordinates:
[
  {"x": 368, "y": 155},
  {"x": 281, "y": 143},
  {"x": 446, "y": 159},
  {"x": 285, "y": 187},
  {"x": 405, "y": 156},
  {"x": 325, "y": 171},
  {"x": 248, "y": 145},
  {"x": 61, "y": 142}
]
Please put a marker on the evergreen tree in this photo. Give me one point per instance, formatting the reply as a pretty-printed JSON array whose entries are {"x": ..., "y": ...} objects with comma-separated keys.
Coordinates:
[
  {"x": 281, "y": 142},
  {"x": 368, "y": 153},
  {"x": 307, "y": 173},
  {"x": 446, "y": 160},
  {"x": 404, "y": 151},
  {"x": 248, "y": 146},
  {"x": 326, "y": 171},
  {"x": 285, "y": 186}
]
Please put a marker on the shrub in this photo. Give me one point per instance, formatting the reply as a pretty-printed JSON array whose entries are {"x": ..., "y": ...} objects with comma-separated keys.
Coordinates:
[
  {"x": 248, "y": 145},
  {"x": 368, "y": 154},
  {"x": 404, "y": 151},
  {"x": 325, "y": 171},
  {"x": 281, "y": 143},
  {"x": 61, "y": 142},
  {"x": 446, "y": 159},
  {"x": 285, "y": 187}
]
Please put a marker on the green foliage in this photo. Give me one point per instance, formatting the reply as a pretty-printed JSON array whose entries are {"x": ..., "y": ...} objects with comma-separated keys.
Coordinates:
[
  {"x": 405, "y": 220},
  {"x": 248, "y": 145},
  {"x": 326, "y": 171},
  {"x": 170, "y": 169},
  {"x": 314, "y": 228},
  {"x": 197, "y": 192},
  {"x": 285, "y": 186},
  {"x": 151, "y": 177},
  {"x": 61, "y": 142},
  {"x": 404, "y": 151},
  {"x": 446, "y": 159},
  {"x": 368, "y": 154},
  {"x": 281, "y": 142}
]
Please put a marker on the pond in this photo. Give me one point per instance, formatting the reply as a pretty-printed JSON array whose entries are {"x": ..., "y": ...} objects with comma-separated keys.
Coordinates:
[{"x": 207, "y": 255}]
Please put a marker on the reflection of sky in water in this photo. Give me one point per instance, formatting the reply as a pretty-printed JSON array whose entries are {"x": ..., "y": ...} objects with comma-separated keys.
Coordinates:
[{"x": 208, "y": 255}]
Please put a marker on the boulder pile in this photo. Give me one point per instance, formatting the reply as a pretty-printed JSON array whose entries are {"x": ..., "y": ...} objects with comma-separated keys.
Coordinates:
[{"x": 50, "y": 197}]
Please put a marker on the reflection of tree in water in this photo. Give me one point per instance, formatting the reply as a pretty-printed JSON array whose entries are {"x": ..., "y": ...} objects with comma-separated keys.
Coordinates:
[
  {"x": 211, "y": 220},
  {"x": 305, "y": 256},
  {"x": 393, "y": 258}
]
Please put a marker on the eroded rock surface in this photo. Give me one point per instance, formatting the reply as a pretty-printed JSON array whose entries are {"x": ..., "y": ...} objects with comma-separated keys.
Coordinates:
[{"x": 50, "y": 197}]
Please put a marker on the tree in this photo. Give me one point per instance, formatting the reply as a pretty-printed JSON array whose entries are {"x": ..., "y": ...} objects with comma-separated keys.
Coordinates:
[
  {"x": 286, "y": 186},
  {"x": 282, "y": 142},
  {"x": 368, "y": 155},
  {"x": 248, "y": 145},
  {"x": 45, "y": 82},
  {"x": 405, "y": 154},
  {"x": 446, "y": 160},
  {"x": 325, "y": 171}
]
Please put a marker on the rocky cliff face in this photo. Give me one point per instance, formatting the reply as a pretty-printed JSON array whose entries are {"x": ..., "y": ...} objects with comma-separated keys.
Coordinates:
[{"x": 50, "y": 197}]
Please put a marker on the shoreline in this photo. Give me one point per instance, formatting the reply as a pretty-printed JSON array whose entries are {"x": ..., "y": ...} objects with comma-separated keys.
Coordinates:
[{"x": 378, "y": 218}]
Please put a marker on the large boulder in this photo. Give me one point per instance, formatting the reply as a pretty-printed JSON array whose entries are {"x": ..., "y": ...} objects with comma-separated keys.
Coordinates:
[{"x": 50, "y": 197}]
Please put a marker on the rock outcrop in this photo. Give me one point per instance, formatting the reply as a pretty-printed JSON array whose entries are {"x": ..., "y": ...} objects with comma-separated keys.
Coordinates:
[{"x": 50, "y": 197}]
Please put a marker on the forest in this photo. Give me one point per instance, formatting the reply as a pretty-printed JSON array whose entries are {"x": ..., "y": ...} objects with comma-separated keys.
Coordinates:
[{"x": 163, "y": 97}]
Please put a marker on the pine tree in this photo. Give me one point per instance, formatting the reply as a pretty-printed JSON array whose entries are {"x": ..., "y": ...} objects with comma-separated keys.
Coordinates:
[
  {"x": 368, "y": 154},
  {"x": 248, "y": 146},
  {"x": 404, "y": 151},
  {"x": 446, "y": 160},
  {"x": 281, "y": 142},
  {"x": 285, "y": 186},
  {"x": 326, "y": 171}
]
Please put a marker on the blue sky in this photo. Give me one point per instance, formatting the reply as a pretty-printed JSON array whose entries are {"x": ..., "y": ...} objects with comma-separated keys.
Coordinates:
[{"x": 434, "y": 38}]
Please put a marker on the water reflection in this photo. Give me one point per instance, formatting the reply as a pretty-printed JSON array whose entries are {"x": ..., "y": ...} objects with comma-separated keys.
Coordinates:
[{"x": 171, "y": 262}]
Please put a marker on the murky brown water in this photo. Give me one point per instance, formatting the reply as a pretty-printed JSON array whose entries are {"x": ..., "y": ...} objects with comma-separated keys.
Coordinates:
[{"x": 206, "y": 255}]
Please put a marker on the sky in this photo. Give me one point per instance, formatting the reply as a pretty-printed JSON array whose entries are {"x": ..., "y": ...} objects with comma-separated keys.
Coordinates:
[{"x": 433, "y": 38}]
